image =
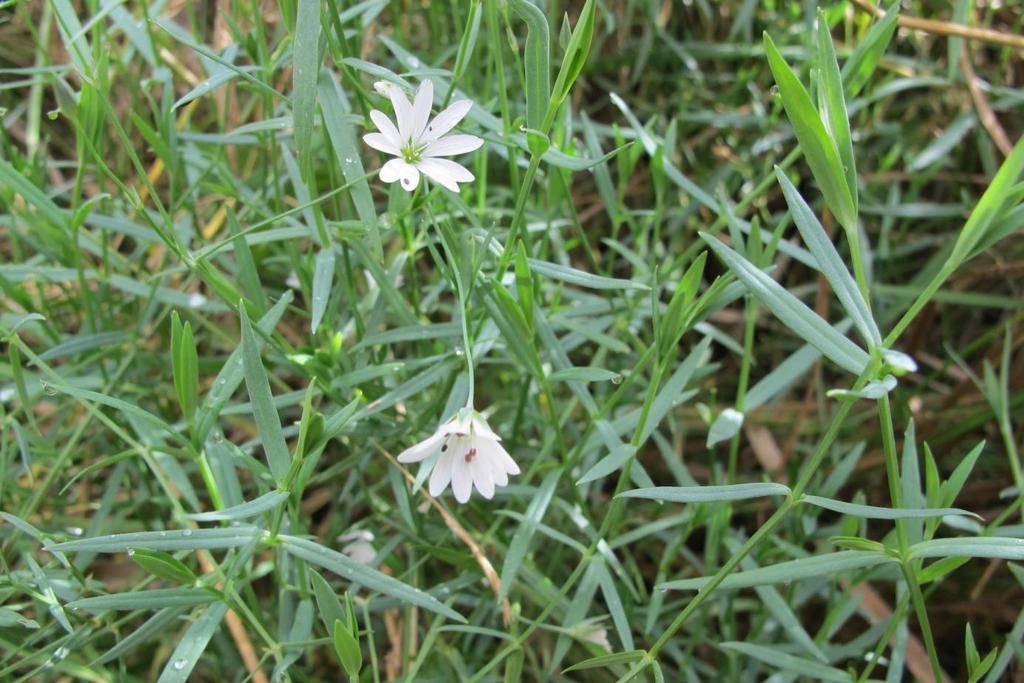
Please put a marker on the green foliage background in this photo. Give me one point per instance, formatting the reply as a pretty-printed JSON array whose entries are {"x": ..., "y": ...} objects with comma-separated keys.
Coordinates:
[{"x": 217, "y": 326}]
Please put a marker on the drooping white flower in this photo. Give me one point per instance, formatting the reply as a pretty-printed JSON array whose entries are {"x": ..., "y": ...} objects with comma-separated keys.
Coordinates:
[
  {"x": 471, "y": 455},
  {"x": 418, "y": 141},
  {"x": 359, "y": 546}
]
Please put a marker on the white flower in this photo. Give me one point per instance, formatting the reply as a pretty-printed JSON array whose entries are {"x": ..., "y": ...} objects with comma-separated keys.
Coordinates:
[
  {"x": 418, "y": 141},
  {"x": 471, "y": 455},
  {"x": 358, "y": 546}
]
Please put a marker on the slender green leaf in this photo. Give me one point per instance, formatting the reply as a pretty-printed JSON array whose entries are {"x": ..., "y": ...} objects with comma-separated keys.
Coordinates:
[
  {"x": 610, "y": 659},
  {"x": 251, "y": 508},
  {"x": 163, "y": 565},
  {"x": 585, "y": 374},
  {"x": 833, "y": 104},
  {"x": 192, "y": 644},
  {"x": 708, "y": 494},
  {"x": 819, "y": 149},
  {"x": 520, "y": 544},
  {"x": 793, "y": 312},
  {"x": 828, "y": 564},
  {"x": 982, "y": 546},
  {"x": 831, "y": 264},
  {"x": 305, "y": 67},
  {"x": 874, "y": 512},
  {"x": 536, "y": 61},
  {"x": 159, "y": 598},
  {"x": 182, "y": 539},
  {"x": 345, "y": 567},
  {"x": 268, "y": 422},
  {"x": 582, "y": 278},
  {"x": 323, "y": 277},
  {"x": 789, "y": 663},
  {"x": 869, "y": 50}
]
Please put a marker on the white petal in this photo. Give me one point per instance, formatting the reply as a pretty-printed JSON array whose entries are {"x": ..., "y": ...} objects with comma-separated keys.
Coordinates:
[
  {"x": 403, "y": 114},
  {"x": 381, "y": 142},
  {"x": 446, "y": 120},
  {"x": 482, "y": 470},
  {"x": 442, "y": 473},
  {"x": 422, "y": 449},
  {"x": 481, "y": 427},
  {"x": 507, "y": 463},
  {"x": 445, "y": 172},
  {"x": 499, "y": 475},
  {"x": 450, "y": 145},
  {"x": 387, "y": 128},
  {"x": 421, "y": 108},
  {"x": 500, "y": 463},
  {"x": 398, "y": 169},
  {"x": 392, "y": 170},
  {"x": 462, "y": 477}
]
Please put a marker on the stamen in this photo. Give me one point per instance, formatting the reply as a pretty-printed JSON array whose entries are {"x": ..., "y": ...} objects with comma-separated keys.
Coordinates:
[{"x": 470, "y": 455}]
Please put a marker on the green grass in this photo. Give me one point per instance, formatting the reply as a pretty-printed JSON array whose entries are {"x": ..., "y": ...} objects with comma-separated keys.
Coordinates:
[{"x": 683, "y": 288}]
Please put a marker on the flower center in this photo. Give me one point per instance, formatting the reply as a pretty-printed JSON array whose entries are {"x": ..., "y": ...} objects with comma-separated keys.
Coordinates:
[{"x": 411, "y": 152}]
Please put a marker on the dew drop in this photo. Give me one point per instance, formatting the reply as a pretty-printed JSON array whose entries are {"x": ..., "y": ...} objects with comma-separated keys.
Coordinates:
[
  {"x": 774, "y": 90},
  {"x": 349, "y": 160},
  {"x": 163, "y": 534},
  {"x": 180, "y": 664},
  {"x": 617, "y": 379},
  {"x": 48, "y": 389},
  {"x": 186, "y": 532},
  {"x": 131, "y": 552},
  {"x": 75, "y": 530},
  {"x": 195, "y": 300}
]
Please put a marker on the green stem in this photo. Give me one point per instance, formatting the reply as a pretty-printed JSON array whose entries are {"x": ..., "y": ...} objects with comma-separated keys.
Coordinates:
[
  {"x": 741, "y": 389},
  {"x": 920, "y": 302},
  {"x": 892, "y": 470},
  {"x": 517, "y": 216},
  {"x": 808, "y": 472},
  {"x": 922, "y": 618}
]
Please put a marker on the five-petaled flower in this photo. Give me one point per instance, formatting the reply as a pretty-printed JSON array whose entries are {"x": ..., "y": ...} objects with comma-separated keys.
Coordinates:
[
  {"x": 471, "y": 455},
  {"x": 418, "y": 141}
]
